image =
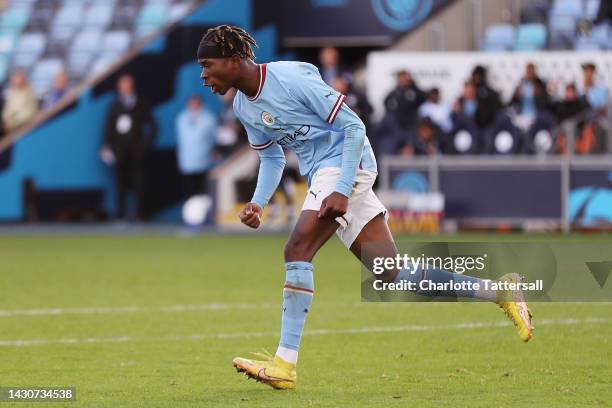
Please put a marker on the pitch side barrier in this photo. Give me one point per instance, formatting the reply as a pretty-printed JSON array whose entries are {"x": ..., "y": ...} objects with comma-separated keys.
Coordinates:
[{"x": 486, "y": 191}]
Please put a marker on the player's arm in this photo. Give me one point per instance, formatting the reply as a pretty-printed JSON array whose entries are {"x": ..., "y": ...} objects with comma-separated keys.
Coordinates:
[
  {"x": 336, "y": 204},
  {"x": 329, "y": 105},
  {"x": 352, "y": 149},
  {"x": 272, "y": 163}
]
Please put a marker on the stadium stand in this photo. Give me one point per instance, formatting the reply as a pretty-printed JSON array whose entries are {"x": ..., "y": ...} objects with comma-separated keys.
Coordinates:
[
  {"x": 552, "y": 24},
  {"x": 82, "y": 37}
]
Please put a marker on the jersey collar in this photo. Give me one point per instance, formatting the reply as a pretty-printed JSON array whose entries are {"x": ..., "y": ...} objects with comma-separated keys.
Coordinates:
[{"x": 262, "y": 79}]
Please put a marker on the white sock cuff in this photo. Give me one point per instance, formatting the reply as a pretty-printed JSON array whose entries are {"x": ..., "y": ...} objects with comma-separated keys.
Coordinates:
[{"x": 287, "y": 354}]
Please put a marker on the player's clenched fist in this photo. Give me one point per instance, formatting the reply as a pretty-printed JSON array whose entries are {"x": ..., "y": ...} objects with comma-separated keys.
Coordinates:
[
  {"x": 251, "y": 215},
  {"x": 333, "y": 206}
]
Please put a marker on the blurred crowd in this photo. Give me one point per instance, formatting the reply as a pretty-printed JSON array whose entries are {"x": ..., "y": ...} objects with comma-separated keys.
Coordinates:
[
  {"x": 19, "y": 103},
  {"x": 417, "y": 122}
]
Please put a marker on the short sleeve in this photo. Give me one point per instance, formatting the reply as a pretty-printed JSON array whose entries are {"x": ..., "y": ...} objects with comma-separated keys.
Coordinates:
[
  {"x": 257, "y": 139},
  {"x": 315, "y": 94}
]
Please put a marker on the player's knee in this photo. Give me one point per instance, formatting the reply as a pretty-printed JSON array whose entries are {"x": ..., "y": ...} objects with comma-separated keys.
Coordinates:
[{"x": 298, "y": 249}]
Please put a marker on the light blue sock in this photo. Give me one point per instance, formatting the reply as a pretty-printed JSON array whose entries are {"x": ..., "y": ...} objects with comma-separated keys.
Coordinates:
[
  {"x": 442, "y": 276},
  {"x": 297, "y": 296}
]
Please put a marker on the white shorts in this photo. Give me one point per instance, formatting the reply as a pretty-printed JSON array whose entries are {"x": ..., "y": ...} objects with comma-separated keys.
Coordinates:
[{"x": 363, "y": 204}]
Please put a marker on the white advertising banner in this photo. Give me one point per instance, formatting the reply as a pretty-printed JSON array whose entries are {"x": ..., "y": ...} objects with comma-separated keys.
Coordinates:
[{"x": 449, "y": 70}]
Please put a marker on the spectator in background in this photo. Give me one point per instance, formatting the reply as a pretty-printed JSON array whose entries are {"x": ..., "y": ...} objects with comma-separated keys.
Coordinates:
[
  {"x": 437, "y": 111},
  {"x": 467, "y": 105},
  {"x": 329, "y": 60},
  {"x": 489, "y": 101},
  {"x": 592, "y": 138},
  {"x": 130, "y": 133},
  {"x": 424, "y": 141},
  {"x": 61, "y": 83},
  {"x": 196, "y": 130},
  {"x": 530, "y": 111},
  {"x": 571, "y": 104},
  {"x": 530, "y": 96},
  {"x": 403, "y": 102},
  {"x": 355, "y": 100},
  {"x": 464, "y": 115},
  {"x": 20, "y": 103},
  {"x": 596, "y": 94}
]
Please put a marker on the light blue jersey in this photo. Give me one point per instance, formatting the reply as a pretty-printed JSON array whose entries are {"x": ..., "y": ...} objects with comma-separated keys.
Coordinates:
[{"x": 295, "y": 109}]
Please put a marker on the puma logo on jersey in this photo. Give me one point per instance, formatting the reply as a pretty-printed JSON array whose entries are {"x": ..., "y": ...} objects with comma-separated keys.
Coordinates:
[
  {"x": 313, "y": 193},
  {"x": 329, "y": 94}
]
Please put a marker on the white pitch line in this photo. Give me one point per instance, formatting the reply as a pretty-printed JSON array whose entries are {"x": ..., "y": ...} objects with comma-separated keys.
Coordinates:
[
  {"x": 313, "y": 332},
  {"x": 58, "y": 311},
  {"x": 133, "y": 309}
]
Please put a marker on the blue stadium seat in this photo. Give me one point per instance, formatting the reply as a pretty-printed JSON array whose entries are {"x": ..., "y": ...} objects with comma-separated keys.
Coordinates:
[
  {"x": 563, "y": 23},
  {"x": 178, "y": 11},
  {"x": 43, "y": 73},
  {"x": 150, "y": 19},
  {"x": 101, "y": 64},
  {"x": 29, "y": 48},
  {"x": 530, "y": 37},
  {"x": 7, "y": 42},
  {"x": 69, "y": 15},
  {"x": 152, "y": 14},
  {"x": 570, "y": 8},
  {"x": 99, "y": 15},
  {"x": 78, "y": 63},
  {"x": 116, "y": 42},
  {"x": 14, "y": 19},
  {"x": 498, "y": 37},
  {"x": 87, "y": 41},
  {"x": 66, "y": 22},
  {"x": 82, "y": 52}
]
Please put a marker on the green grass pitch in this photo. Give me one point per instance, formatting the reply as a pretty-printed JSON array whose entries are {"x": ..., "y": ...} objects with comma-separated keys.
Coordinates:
[{"x": 155, "y": 320}]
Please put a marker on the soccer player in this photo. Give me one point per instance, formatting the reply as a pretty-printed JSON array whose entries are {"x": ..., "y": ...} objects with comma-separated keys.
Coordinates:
[{"x": 287, "y": 104}]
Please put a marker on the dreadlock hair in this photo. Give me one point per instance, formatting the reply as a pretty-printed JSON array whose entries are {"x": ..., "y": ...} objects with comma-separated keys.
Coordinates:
[{"x": 229, "y": 40}]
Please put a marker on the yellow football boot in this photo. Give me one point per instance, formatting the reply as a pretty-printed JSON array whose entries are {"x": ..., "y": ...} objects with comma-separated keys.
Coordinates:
[
  {"x": 513, "y": 304},
  {"x": 273, "y": 370}
]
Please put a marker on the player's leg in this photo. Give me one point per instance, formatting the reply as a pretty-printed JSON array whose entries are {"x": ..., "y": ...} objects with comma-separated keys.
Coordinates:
[
  {"x": 375, "y": 240},
  {"x": 308, "y": 236}
]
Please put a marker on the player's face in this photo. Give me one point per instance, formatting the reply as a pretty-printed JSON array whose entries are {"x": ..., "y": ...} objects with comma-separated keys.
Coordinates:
[{"x": 219, "y": 74}]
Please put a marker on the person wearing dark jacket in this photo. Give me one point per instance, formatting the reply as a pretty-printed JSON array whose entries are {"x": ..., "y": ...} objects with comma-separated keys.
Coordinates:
[
  {"x": 571, "y": 105},
  {"x": 489, "y": 100},
  {"x": 404, "y": 100},
  {"x": 130, "y": 133},
  {"x": 530, "y": 96}
]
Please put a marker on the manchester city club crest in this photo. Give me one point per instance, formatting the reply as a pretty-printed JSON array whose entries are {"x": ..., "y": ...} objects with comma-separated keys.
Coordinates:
[
  {"x": 401, "y": 15},
  {"x": 267, "y": 118}
]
